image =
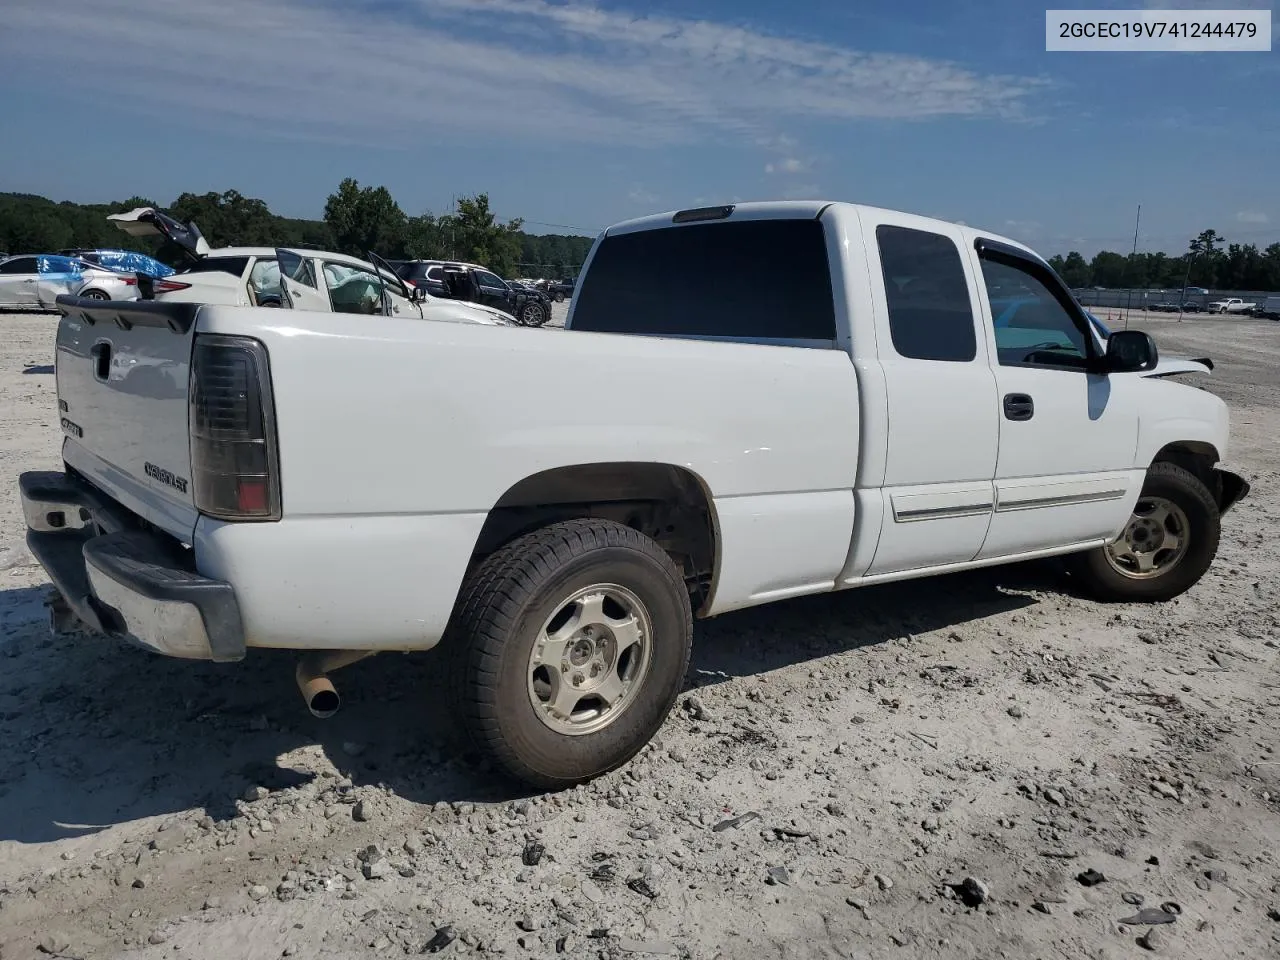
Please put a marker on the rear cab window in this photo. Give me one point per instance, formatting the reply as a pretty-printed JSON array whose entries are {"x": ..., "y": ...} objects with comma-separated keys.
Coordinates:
[
  {"x": 754, "y": 280},
  {"x": 930, "y": 315}
]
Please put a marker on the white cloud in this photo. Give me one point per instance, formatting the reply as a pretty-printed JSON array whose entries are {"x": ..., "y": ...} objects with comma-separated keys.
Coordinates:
[
  {"x": 1252, "y": 216},
  {"x": 638, "y": 194},
  {"x": 501, "y": 69},
  {"x": 787, "y": 165}
]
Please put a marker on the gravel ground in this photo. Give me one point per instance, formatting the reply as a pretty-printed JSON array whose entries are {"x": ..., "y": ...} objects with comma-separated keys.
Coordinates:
[{"x": 978, "y": 766}]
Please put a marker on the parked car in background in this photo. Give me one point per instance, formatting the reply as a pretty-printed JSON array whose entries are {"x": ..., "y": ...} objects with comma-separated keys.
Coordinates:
[
  {"x": 562, "y": 289},
  {"x": 316, "y": 280},
  {"x": 476, "y": 284},
  {"x": 1231, "y": 305},
  {"x": 33, "y": 282},
  {"x": 130, "y": 261}
]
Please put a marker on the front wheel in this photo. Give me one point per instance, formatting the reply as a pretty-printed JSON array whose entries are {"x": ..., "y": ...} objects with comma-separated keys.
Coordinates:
[
  {"x": 533, "y": 315},
  {"x": 559, "y": 297},
  {"x": 1166, "y": 546},
  {"x": 570, "y": 645}
]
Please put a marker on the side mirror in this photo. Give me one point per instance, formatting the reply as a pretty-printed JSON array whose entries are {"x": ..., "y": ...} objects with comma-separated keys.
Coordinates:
[
  {"x": 418, "y": 293},
  {"x": 1131, "y": 351}
]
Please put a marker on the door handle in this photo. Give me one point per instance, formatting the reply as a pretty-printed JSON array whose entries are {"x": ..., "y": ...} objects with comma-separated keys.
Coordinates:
[
  {"x": 28, "y": 281},
  {"x": 1018, "y": 406}
]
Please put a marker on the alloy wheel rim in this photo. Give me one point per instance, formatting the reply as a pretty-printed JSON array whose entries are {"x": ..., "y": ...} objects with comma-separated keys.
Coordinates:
[
  {"x": 589, "y": 660},
  {"x": 1154, "y": 540}
]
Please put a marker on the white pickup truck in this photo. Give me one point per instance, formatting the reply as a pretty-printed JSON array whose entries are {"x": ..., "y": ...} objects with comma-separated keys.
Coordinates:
[
  {"x": 1231, "y": 305},
  {"x": 555, "y": 509}
]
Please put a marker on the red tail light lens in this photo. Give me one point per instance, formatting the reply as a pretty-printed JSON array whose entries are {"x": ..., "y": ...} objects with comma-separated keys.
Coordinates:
[
  {"x": 231, "y": 420},
  {"x": 167, "y": 286}
]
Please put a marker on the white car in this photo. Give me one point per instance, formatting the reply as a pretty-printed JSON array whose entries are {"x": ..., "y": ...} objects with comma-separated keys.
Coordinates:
[
  {"x": 1231, "y": 305},
  {"x": 313, "y": 280},
  {"x": 34, "y": 282},
  {"x": 556, "y": 511}
]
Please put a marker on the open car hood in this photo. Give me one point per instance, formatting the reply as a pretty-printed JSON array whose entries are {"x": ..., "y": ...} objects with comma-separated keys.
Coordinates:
[{"x": 150, "y": 222}]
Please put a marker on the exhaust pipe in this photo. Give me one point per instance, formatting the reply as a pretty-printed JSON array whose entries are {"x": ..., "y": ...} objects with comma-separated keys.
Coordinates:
[{"x": 312, "y": 675}]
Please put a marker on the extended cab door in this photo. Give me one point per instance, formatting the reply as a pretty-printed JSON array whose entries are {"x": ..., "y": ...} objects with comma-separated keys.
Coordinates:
[
  {"x": 1065, "y": 472},
  {"x": 300, "y": 288},
  {"x": 936, "y": 495}
]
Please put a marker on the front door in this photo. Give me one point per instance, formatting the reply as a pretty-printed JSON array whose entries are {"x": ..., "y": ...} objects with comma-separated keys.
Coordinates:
[
  {"x": 935, "y": 499},
  {"x": 300, "y": 289},
  {"x": 1065, "y": 472},
  {"x": 18, "y": 286},
  {"x": 494, "y": 291}
]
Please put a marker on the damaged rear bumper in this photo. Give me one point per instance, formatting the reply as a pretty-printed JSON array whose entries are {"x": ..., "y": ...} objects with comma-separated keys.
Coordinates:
[{"x": 123, "y": 581}]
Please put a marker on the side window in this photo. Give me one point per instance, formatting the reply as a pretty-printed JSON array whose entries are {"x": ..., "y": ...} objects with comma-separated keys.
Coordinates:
[
  {"x": 1032, "y": 325},
  {"x": 296, "y": 268},
  {"x": 928, "y": 297},
  {"x": 353, "y": 290},
  {"x": 19, "y": 265},
  {"x": 490, "y": 280}
]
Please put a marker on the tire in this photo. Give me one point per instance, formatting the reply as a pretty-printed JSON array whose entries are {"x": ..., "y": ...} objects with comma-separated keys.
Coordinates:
[
  {"x": 521, "y": 593},
  {"x": 534, "y": 315},
  {"x": 95, "y": 295},
  {"x": 559, "y": 297},
  {"x": 1110, "y": 575}
]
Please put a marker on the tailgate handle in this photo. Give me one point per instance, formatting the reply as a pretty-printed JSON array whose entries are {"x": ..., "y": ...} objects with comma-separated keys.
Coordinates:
[{"x": 100, "y": 353}]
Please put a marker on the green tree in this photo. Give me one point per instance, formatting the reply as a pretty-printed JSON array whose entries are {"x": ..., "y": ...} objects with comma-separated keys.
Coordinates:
[
  {"x": 474, "y": 234},
  {"x": 423, "y": 239},
  {"x": 1075, "y": 271},
  {"x": 365, "y": 218}
]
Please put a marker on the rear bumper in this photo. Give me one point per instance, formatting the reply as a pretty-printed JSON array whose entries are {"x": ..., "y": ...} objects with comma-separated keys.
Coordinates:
[{"x": 123, "y": 581}]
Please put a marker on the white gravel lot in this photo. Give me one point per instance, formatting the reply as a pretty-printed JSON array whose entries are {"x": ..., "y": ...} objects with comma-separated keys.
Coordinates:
[{"x": 916, "y": 770}]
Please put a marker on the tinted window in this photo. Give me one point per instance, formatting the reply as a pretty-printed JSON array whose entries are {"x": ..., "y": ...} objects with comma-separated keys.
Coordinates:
[
  {"x": 1032, "y": 325},
  {"x": 490, "y": 280},
  {"x": 750, "y": 279},
  {"x": 19, "y": 265},
  {"x": 928, "y": 297},
  {"x": 232, "y": 265}
]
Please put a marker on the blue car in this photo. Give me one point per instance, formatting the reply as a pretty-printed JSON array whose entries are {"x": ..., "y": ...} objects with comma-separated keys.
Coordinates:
[{"x": 127, "y": 261}]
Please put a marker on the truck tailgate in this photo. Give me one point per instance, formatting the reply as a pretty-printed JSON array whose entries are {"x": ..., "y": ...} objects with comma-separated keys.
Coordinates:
[{"x": 122, "y": 372}]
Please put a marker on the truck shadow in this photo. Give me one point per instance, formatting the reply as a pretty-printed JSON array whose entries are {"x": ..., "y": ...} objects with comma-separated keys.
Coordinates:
[{"x": 94, "y": 733}]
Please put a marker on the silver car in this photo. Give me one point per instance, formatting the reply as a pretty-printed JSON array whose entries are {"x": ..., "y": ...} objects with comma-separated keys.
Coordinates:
[{"x": 33, "y": 282}]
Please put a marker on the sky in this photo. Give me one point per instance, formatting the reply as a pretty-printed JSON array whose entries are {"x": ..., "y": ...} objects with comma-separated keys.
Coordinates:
[{"x": 573, "y": 115}]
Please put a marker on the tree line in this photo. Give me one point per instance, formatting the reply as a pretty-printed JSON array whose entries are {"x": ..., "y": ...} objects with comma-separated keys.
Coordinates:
[
  {"x": 364, "y": 218},
  {"x": 356, "y": 219},
  {"x": 1210, "y": 261}
]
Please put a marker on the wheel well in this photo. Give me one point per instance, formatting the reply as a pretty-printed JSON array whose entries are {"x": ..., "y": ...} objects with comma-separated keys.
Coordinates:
[
  {"x": 1194, "y": 456},
  {"x": 669, "y": 504}
]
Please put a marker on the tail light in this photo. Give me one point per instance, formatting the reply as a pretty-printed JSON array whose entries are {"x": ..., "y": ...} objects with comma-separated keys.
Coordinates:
[
  {"x": 234, "y": 469},
  {"x": 149, "y": 286}
]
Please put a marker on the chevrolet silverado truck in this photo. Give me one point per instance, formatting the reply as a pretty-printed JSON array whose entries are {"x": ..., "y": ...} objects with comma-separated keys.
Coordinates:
[{"x": 235, "y": 481}]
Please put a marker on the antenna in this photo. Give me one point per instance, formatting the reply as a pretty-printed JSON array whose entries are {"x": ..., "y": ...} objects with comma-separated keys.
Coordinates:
[{"x": 1132, "y": 257}]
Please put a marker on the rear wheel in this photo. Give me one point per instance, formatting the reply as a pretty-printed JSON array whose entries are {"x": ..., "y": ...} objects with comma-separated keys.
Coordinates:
[
  {"x": 1166, "y": 546},
  {"x": 559, "y": 297},
  {"x": 570, "y": 646},
  {"x": 95, "y": 295}
]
